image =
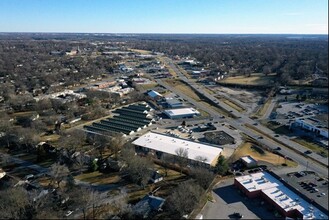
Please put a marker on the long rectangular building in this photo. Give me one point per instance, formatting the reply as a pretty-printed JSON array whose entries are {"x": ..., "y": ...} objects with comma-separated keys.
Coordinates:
[
  {"x": 181, "y": 113},
  {"x": 287, "y": 202},
  {"x": 161, "y": 143}
]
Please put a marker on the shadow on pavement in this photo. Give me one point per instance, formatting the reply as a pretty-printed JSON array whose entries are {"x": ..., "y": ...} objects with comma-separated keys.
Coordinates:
[{"x": 230, "y": 195}]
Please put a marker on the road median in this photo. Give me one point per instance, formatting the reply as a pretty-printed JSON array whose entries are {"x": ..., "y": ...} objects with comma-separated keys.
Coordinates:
[{"x": 284, "y": 144}]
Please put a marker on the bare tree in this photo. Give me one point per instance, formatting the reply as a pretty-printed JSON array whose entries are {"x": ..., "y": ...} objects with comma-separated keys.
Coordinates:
[
  {"x": 139, "y": 169},
  {"x": 59, "y": 173},
  {"x": 73, "y": 139},
  {"x": 182, "y": 158},
  {"x": 184, "y": 198},
  {"x": 86, "y": 199},
  {"x": 14, "y": 203},
  {"x": 203, "y": 176},
  {"x": 116, "y": 144},
  {"x": 101, "y": 142}
]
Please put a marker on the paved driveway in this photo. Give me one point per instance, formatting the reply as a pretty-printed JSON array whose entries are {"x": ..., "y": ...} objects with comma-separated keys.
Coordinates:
[{"x": 228, "y": 201}]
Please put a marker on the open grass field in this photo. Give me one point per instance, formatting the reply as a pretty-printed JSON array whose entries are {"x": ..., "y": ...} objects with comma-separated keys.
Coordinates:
[
  {"x": 183, "y": 88},
  {"x": 50, "y": 138},
  {"x": 311, "y": 145},
  {"x": 148, "y": 86},
  {"x": 99, "y": 178},
  {"x": 254, "y": 79},
  {"x": 183, "y": 71},
  {"x": 262, "y": 110},
  {"x": 232, "y": 104},
  {"x": 144, "y": 52},
  {"x": 245, "y": 149},
  {"x": 24, "y": 114},
  {"x": 210, "y": 91}
]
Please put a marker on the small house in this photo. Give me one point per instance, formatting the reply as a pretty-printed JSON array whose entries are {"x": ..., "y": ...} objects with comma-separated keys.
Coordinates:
[
  {"x": 148, "y": 205},
  {"x": 248, "y": 161},
  {"x": 156, "y": 177}
]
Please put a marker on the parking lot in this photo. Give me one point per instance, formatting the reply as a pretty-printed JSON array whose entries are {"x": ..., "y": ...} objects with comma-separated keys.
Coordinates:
[
  {"x": 229, "y": 200},
  {"x": 309, "y": 184}
]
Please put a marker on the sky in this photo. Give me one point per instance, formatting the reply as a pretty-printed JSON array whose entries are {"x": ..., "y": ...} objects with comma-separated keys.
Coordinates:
[{"x": 165, "y": 16}]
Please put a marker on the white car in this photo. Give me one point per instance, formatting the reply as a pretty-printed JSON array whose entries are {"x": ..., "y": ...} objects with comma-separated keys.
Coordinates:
[{"x": 68, "y": 213}]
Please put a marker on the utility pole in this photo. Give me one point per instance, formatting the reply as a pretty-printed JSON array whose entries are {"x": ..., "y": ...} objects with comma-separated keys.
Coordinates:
[{"x": 306, "y": 165}]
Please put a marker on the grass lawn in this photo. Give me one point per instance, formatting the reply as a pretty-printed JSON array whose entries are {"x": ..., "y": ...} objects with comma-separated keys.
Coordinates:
[
  {"x": 262, "y": 110},
  {"x": 232, "y": 104},
  {"x": 210, "y": 91},
  {"x": 99, "y": 178},
  {"x": 203, "y": 113},
  {"x": 245, "y": 149},
  {"x": 50, "y": 138},
  {"x": 311, "y": 145},
  {"x": 254, "y": 79},
  {"x": 148, "y": 86},
  {"x": 183, "y": 71}
]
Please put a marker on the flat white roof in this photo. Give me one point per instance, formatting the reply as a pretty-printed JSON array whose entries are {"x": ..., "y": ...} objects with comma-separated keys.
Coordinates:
[
  {"x": 169, "y": 145},
  {"x": 181, "y": 111},
  {"x": 280, "y": 194},
  {"x": 257, "y": 181},
  {"x": 248, "y": 159}
]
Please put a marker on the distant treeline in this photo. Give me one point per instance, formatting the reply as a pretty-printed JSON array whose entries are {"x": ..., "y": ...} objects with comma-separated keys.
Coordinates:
[{"x": 292, "y": 57}]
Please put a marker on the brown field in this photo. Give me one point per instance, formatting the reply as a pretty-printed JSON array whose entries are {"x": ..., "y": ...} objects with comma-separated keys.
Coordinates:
[
  {"x": 183, "y": 71},
  {"x": 148, "y": 86},
  {"x": 262, "y": 110},
  {"x": 232, "y": 104},
  {"x": 311, "y": 145},
  {"x": 183, "y": 88},
  {"x": 254, "y": 79},
  {"x": 99, "y": 178},
  {"x": 245, "y": 149},
  {"x": 141, "y": 51}
]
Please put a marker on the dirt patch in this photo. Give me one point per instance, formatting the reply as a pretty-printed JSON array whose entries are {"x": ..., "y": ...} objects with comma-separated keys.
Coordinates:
[
  {"x": 254, "y": 79},
  {"x": 248, "y": 148},
  {"x": 177, "y": 84}
]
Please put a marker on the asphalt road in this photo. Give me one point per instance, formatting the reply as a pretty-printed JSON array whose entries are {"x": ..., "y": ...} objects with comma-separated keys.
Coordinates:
[{"x": 243, "y": 119}]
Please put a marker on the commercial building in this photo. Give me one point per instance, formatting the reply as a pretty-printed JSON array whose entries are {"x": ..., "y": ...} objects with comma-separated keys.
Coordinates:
[
  {"x": 313, "y": 125},
  {"x": 181, "y": 113},
  {"x": 154, "y": 94},
  {"x": 174, "y": 103},
  {"x": 248, "y": 161},
  {"x": 128, "y": 119},
  {"x": 287, "y": 202},
  {"x": 161, "y": 144}
]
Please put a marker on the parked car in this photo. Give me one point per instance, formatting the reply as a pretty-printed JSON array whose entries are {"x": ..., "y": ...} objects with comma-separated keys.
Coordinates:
[
  {"x": 68, "y": 213},
  {"x": 237, "y": 215},
  {"x": 308, "y": 152}
]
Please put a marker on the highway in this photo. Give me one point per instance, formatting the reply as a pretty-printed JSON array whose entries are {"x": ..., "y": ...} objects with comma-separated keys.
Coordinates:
[{"x": 242, "y": 119}]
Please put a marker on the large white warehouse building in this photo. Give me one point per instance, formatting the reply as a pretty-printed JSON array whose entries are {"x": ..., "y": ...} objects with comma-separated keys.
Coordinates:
[
  {"x": 181, "y": 113},
  {"x": 197, "y": 152}
]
